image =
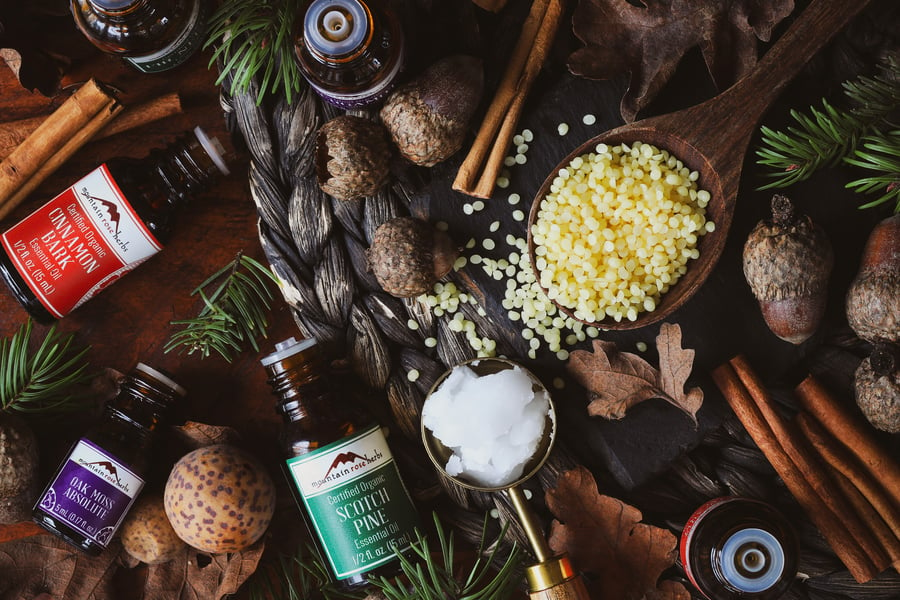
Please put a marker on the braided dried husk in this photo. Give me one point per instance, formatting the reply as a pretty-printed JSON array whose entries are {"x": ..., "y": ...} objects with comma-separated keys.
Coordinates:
[{"x": 316, "y": 245}]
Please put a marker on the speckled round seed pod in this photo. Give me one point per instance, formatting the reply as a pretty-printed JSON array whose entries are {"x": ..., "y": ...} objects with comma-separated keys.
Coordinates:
[
  {"x": 877, "y": 386},
  {"x": 146, "y": 533},
  {"x": 428, "y": 117},
  {"x": 352, "y": 157},
  {"x": 408, "y": 256},
  {"x": 18, "y": 469},
  {"x": 219, "y": 499},
  {"x": 787, "y": 262}
]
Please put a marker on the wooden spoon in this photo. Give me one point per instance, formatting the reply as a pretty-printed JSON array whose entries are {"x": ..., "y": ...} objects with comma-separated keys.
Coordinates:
[{"x": 712, "y": 138}]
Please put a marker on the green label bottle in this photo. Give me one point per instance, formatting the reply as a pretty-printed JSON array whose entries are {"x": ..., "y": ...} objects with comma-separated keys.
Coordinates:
[{"x": 341, "y": 468}]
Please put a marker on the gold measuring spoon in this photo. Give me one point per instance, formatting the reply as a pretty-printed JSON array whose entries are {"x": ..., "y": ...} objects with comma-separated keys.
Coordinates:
[
  {"x": 712, "y": 138},
  {"x": 552, "y": 577}
]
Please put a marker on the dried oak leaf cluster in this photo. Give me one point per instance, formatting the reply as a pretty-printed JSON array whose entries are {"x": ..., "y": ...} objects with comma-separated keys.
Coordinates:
[
  {"x": 605, "y": 538},
  {"x": 618, "y": 380},
  {"x": 648, "y": 39}
]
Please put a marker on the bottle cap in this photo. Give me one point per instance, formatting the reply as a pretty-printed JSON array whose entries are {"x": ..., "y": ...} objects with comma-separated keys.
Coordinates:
[
  {"x": 161, "y": 377},
  {"x": 288, "y": 347},
  {"x": 213, "y": 147},
  {"x": 335, "y": 27}
]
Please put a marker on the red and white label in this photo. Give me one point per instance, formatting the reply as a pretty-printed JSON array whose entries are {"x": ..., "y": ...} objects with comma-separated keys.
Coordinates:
[{"x": 80, "y": 242}]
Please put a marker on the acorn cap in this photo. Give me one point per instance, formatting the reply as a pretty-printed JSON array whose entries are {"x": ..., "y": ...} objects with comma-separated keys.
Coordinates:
[{"x": 352, "y": 157}]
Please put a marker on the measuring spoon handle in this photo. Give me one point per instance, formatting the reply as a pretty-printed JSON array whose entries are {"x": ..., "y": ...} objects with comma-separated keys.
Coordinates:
[{"x": 571, "y": 589}]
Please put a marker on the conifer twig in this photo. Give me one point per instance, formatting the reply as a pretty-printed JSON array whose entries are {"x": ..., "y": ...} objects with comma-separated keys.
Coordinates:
[
  {"x": 233, "y": 314},
  {"x": 41, "y": 381}
]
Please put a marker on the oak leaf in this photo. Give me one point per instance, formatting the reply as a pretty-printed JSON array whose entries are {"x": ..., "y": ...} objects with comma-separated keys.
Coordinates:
[
  {"x": 605, "y": 538},
  {"x": 647, "y": 39},
  {"x": 618, "y": 380}
]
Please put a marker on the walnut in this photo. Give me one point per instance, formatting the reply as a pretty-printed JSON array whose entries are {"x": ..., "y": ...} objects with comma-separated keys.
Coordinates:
[
  {"x": 408, "y": 256},
  {"x": 352, "y": 157}
]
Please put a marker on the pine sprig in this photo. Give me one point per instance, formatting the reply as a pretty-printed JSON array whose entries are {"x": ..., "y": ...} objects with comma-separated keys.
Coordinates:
[
  {"x": 233, "y": 314},
  {"x": 880, "y": 153},
  {"x": 41, "y": 381},
  {"x": 828, "y": 136},
  {"x": 252, "y": 36},
  {"x": 426, "y": 577},
  {"x": 300, "y": 576}
]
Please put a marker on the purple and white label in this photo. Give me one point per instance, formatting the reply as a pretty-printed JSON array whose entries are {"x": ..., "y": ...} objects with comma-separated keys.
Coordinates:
[{"x": 92, "y": 493}]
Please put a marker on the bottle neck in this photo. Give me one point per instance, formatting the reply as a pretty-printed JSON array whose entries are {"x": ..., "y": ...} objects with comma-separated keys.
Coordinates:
[
  {"x": 119, "y": 8},
  {"x": 145, "y": 399},
  {"x": 300, "y": 385},
  {"x": 188, "y": 165}
]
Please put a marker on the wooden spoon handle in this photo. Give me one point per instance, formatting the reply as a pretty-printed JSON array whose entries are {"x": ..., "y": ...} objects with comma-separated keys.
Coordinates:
[{"x": 818, "y": 23}]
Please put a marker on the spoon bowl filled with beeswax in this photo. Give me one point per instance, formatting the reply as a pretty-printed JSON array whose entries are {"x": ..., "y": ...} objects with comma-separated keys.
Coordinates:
[{"x": 627, "y": 227}]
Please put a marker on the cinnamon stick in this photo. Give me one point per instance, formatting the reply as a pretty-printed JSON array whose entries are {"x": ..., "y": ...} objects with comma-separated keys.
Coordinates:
[
  {"x": 478, "y": 172},
  {"x": 886, "y": 538},
  {"x": 54, "y": 141},
  {"x": 823, "y": 517},
  {"x": 848, "y": 428},
  {"x": 13, "y": 133},
  {"x": 802, "y": 455},
  {"x": 843, "y": 461}
]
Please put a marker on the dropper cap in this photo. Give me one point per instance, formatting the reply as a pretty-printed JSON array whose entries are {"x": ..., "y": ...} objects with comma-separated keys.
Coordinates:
[
  {"x": 213, "y": 147},
  {"x": 335, "y": 27},
  {"x": 286, "y": 349}
]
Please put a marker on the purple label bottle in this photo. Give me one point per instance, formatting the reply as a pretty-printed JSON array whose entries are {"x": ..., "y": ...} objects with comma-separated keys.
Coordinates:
[
  {"x": 350, "y": 51},
  {"x": 97, "y": 483}
]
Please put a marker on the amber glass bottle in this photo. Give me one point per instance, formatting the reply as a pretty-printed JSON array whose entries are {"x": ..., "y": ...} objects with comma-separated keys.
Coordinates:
[
  {"x": 341, "y": 469},
  {"x": 152, "y": 35},
  {"x": 103, "y": 226},
  {"x": 96, "y": 484},
  {"x": 350, "y": 51},
  {"x": 738, "y": 548}
]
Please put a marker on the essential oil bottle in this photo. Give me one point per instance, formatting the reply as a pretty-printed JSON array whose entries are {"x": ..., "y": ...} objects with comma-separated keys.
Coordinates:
[
  {"x": 96, "y": 484},
  {"x": 106, "y": 224},
  {"x": 341, "y": 469},
  {"x": 152, "y": 35},
  {"x": 739, "y": 548},
  {"x": 350, "y": 51}
]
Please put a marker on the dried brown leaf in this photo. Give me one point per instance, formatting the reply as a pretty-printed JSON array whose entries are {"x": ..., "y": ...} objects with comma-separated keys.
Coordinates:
[
  {"x": 648, "y": 40},
  {"x": 197, "y": 435},
  {"x": 618, "y": 380},
  {"x": 605, "y": 537},
  {"x": 675, "y": 364}
]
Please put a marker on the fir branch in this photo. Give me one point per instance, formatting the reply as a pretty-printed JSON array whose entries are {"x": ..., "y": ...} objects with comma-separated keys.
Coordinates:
[
  {"x": 233, "y": 314},
  {"x": 880, "y": 153},
  {"x": 252, "y": 36},
  {"x": 427, "y": 578},
  {"x": 42, "y": 382},
  {"x": 826, "y": 136}
]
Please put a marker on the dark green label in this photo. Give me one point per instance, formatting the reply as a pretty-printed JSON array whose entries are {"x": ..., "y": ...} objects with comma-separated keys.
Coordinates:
[{"x": 356, "y": 502}]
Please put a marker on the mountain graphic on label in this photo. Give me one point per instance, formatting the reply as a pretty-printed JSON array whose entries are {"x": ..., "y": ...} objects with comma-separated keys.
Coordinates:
[
  {"x": 109, "y": 467},
  {"x": 112, "y": 210},
  {"x": 345, "y": 458}
]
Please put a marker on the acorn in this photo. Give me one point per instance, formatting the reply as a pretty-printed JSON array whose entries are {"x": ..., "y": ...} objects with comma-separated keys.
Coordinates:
[
  {"x": 408, "y": 256},
  {"x": 352, "y": 157},
  {"x": 787, "y": 262},
  {"x": 428, "y": 117},
  {"x": 873, "y": 300},
  {"x": 18, "y": 469},
  {"x": 877, "y": 387}
]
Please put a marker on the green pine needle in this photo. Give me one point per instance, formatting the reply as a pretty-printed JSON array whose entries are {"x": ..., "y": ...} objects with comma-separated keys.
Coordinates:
[
  {"x": 427, "y": 578},
  {"x": 301, "y": 576},
  {"x": 830, "y": 136},
  {"x": 879, "y": 153},
  {"x": 234, "y": 313},
  {"x": 42, "y": 381},
  {"x": 253, "y": 36}
]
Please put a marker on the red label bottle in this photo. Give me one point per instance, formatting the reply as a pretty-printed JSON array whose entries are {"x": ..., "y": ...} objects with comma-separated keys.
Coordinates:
[{"x": 103, "y": 226}]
